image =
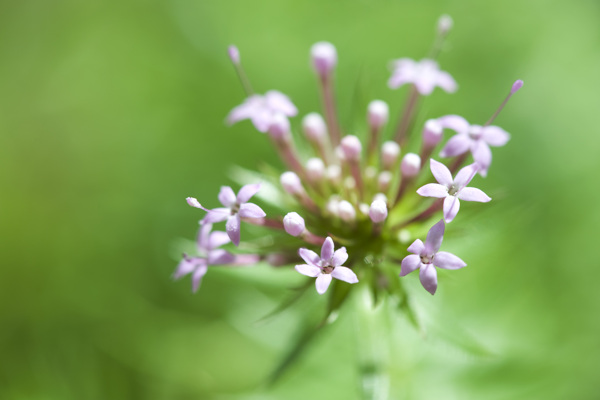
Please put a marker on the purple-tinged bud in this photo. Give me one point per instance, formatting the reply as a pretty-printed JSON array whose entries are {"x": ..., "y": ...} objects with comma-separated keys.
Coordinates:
[
  {"x": 432, "y": 133},
  {"x": 384, "y": 180},
  {"x": 333, "y": 205},
  {"x": 334, "y": 173},
  {"x": 234, "y": 54},
  {"x": 363, "y": 208},
  {"x": 315, "y": 169},
  {"x": 378, "y": 211},
  {"x": 280, "y": 127},
  {"x": 294, "y": 224},
  {"x": 378, "y": 114},
  {"x": 444, "y": 24},
  {"x": 411, "y": 165},
  {"x": 516, "y": 86},
  {"x": 324, "y": 57},
  {"x": 291, "y": 183},
  {"x": 351, "y": 147},
  {"x": 314, "y": 127},
  {"x": 380, "y": 197},
  {"x": 346, "y": 211},
  {"x": 339, "y": 153},
  {"x": 389, "y": 154}
]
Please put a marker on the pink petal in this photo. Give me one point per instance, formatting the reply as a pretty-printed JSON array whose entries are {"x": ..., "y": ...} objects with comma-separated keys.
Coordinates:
[
  {"x": 197, "y": 277},
  {"x": 322, "y": 283},
  {"x": 310, "y": 257},
  {"x": 344, "y": 274},
  {"x": 495, "y": 136},
  {"x": 245, "y": 259},
  {"x": 194, "y": 203},
  {"x": 203, "y": 237},
  {"x": 440, "y": 172},
  {"x": 435, "y": 237},
  {"x": 425, "y": 84},
  {"x": 339, "y": 257},
  {"x": 217, "y": 239},
  {"x": 308, "y": 270},
  {"x": 243, "y": 111},
  {"x": 446, "y": 82},
  {"x": 458, "y": 144},
  {"x": 233, "y": 228},
  {"x": 216, "y": 215},
  {"x": 219, "y": 257},
  {"x": 227, "y": 196},
  {"x": 409, "y": 264},
  {"x": 417, "y": 247},
  {"x": 433, "y": 190},
  {"x": 465, "y": 175},
  {"x": 428, "y": 277},
  {"x": 278, "y": 101},
  {"x": 446, "y": 260},
  {"x": 451, "y": 206},
  {"x": 327, "y": 249},
  {"x": 262, "y": 119},
  {"x": 251, "y": 210},
  {"x": 482, "y": 155},
  {"x": 185, "y": 266},
  {"x": 247, "y": 191},
  {"x": 454, "y": 122},
  {"x": 473, "y": 194}
]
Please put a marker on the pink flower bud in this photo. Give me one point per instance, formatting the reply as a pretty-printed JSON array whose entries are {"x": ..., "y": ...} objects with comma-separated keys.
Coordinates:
[
  {"x": 234, "y": 54},
  {"x": 280, "y": 127},
  {"x": 324, "y": 57},
  {"x": 315, "y": 169},
  {"x": 294, "y": 224},
  {"x": 384, "y": 180},
  {"x": 411, "y": 164},
  {"x": 346, "y": 211},
  {"x": 314, "y": 127},
  {"x": 516, "y": 86},
  {"x": 291, "y": 183},
  {"x": 351, "y": 147},
  {"x": 432, "y": 133},
  {"x": 378, "y": 211},
  {"x": 444, "y": 24},
  {"x": 378, "y": 113},
  {"x": 334, "y": 173},
  {"x": 389, "y": 154}
]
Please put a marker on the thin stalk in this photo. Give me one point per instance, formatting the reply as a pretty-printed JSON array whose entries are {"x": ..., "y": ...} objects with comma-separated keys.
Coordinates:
[
  {"x": 407, "y": 116},
  {"x": 329, "y": 107}
]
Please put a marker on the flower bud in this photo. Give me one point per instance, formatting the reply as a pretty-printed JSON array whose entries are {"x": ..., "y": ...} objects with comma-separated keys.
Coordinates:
[
  {"x": 234, "y": 54},
  {"x": 293, "y": 224},
  {"x": 370, "y": 172},
  {"x": 444, "y": 24},
  {"x": 291, "y": 183},
  {"x": 432, "y": 133},
  {"x": 378, "y": 211},
  {"x": 333, "y": 205},
  {"x": 411, "y": 164},
  {"x": 381, "y": 197},
  {"x": 349, "y": 183},
  {"x": 315, "y": 169},
  {"x": 516, "y": 86},
  {"x": 389, "y": 154},
  {"x": 314, "y": 127},
  {"x": 363, "y": 208},
  {"x": 324, "y": 57},
  {"x": 384, "y": 180},
  {"x": 334, "y": 173},
  {"x": 346, "y": 211},
  {"x": 351, "y": 147},
  {"x": 280, "y": 127},
  {"x": 378, "y": 114}
]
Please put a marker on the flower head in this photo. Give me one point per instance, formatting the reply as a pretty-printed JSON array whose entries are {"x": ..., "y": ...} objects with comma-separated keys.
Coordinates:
[
  {"x": 424, "y": 74},
  {"x": 326, "y": 266},
  {"x": 451, "y": 190},
  {"x": 427, "y": 256},
  {"x": 261, "y": 110}
]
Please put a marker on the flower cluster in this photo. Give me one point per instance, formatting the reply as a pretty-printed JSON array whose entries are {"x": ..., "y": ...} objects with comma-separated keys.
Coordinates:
[{"x": 362, "y": 191}]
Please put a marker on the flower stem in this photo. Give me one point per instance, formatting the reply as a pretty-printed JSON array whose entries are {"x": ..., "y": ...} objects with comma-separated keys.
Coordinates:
[
  {"x": 330, "y": 110},
  {"x": 407, "y": 116}
]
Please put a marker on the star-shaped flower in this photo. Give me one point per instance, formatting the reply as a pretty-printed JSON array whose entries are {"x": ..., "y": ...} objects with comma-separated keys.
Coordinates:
[
  {"x": 208, "y": 254},
  {"x": 451, "y": 190},
  {"x": 235, "y": 207},
  {"x": 474, "y": 138},
  {"x": 326, "y": 266},
  {"x": 261, "y": 110},
  {"x": 426, "y": 257},
  {"x": 424, "y": 74}
]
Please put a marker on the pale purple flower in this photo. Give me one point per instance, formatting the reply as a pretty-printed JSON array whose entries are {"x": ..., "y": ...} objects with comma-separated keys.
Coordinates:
[
  {"x": 474, "y": 138},
  {"x": 451, "y": 190},
  {"x": 426, "y": 257},
  {"x": 326, "y": 266},
  {"x": 261, "y": 110},
  {"x": 208, "y": 254},
  {"x": 235, "y": 207},
  {"x": 424, "y": 74}
]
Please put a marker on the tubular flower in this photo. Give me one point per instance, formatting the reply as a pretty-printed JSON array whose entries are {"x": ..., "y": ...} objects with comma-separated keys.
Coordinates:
[
  {"x": 261, "y": 110},
  {"x": 424, "y": 74}
]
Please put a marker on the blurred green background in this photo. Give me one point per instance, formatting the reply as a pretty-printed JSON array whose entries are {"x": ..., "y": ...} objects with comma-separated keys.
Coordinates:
[{"x": 112, "y": 112}]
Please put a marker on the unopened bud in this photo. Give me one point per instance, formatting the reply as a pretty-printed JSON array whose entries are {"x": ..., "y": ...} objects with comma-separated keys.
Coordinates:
[
  {"x": 432, "y": 133},
  {"x": 351, "y": 147},
  {"x": 314, "y": 127},
  {"x": 384, "y": 180},
  {"x": 370, "y": 172},
  {"x": 280, "y": 127},
  {"x": 411, "y": 164},
  {"x": 363, "y": 208},
  {"x": 346, "y": 211},
  {"x": 234, "y": 54},
  {"x": 516, "y": 86},
  {"x": 324, "y": 57},
  {"x": 381, "y": 197},
  {"x": 378, "y": 211},
  {"x": 378, "y": 113},
  {"x": 293, "y": 224},
  {"x": 315, "y": 169},
  {"x": 334, "y": 173},
  {"x": 350, "y": 183},
  {"x": 333, "y": 205},
  {"x": 389, "y": 154},
  {"x": 291, "y": 183},
  {"x": 445, "y": 24}
]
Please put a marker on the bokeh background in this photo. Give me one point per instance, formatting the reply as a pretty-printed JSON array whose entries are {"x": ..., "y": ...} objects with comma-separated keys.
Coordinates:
[{"x": 112, "y": 112}]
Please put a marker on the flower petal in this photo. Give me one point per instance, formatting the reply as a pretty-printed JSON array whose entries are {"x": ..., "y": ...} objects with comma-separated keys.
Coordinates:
[
  {"x": 465, "y": 175},
  {"x": 446, "y": 82},
  {"x": 247, "y": 191},
  {"x": 473, "y": 194},
  {"x": 435, "y": 237},
  {"x": 344, "y": 274},
  {"x": 186, "y": 266},
  {"x": 451, "y": 207},
  {"x": 243, "y": 111},
  {"x": 417, "y": 247},
  {"x": 219, "y": 257},
  {"x": 339, "y": 257},
  {"x": 227, "y": 196},
  {"x": 458, "y": 144},
  {"x": 454, "y": 122},
  {"x": 482, "y": 156},
  {"x": 251, "y": 210},
  {"x": 322, "y": 283},
  {"x": 192, "y": 201},
  {"x": 495, "y": 136},
  {"x": 440, "y": 172},
  {"x": 327, "y": 249},
  {"x": 409, "y": 264},
  {"x": 233, "y": 228},
  {"x": 197, "y": 277},
  {"x": 433, "y": 190},
  {"x": 203, "y": 237},
  {"x": 217, "y": 239},
  {"x": 446, "y": 260},
  {"x": 216, "y": 215},
  {"x": 278, "y": 101},
  {"x": 310, "y": 257},
  {"x": 262, "y": 118},
  {"x": 308, "y": 270},
  {"x": 428, "y": 277}
]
